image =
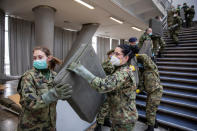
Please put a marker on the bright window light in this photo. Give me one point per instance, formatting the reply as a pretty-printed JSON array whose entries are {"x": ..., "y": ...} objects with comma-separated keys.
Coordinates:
[
  {"x": 135, "y": 28},
  {"x": 114, "y": 19},
  {"x": 85, "y": 4}
]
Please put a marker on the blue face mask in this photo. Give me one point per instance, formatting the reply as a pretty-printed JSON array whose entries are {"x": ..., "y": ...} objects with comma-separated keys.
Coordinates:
[
  {"x": 150, "y": 34},
  {"x": 40, "y": 64}
]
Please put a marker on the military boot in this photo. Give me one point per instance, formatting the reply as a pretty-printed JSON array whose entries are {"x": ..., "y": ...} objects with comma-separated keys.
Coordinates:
[
  {"x": 150, "y": 128},
  {"x": 98, "y": 127},
  {"x": 107, "y": 122},
  {"x": 156, "y": 124}
]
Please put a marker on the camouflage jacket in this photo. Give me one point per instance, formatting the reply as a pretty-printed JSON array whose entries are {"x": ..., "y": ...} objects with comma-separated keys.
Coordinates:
[
  {"x": 108, "y": 67},
  {"x": 121, "y": 86},
  {"x": 143, "y": 38},
  {"x": 191, "y": 13},
  {"x": 36, "y": 115},
  {"x": 177, "y": 20},
  {"x": 170, "y": 17},
  {"x": 149, "y": 72},
  {"x": 185, "y": 8}
]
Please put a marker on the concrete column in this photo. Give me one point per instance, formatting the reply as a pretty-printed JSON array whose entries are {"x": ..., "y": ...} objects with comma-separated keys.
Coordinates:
[{"x": 44, "y": 26}]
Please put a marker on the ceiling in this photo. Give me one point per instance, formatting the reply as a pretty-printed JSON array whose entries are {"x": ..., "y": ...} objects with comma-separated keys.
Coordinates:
[{"x": 75, "y": 14}]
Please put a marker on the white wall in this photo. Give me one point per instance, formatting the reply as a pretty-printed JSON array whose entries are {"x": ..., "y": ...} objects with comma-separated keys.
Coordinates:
[{"x": 189, "y": 3}]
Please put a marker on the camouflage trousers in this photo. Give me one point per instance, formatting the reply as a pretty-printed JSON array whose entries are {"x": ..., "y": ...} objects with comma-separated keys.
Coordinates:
[
  {"x": 174, "y": 36},
  {"x": 38, "y": 127},
  {"x": 103, "y": 113},
  {"x": 152, "y": 103},
  {"x": 189, "y": 22},
  {"x": 158, "y": 42},
  {"x": 123, "y": 127}
]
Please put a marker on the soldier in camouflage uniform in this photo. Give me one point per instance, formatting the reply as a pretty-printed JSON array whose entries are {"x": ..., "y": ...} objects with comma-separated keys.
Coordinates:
[
  {"x": 185, "y": 8},
  {"x": 175, "y": 28},
  {"x": 170, "y": 14},
  {"x": 38, "y": 93},
  {"x": 178, "y": 9},
  {"x": 103, "y": 115},
  {"x": 146, "y": 36},
  {"x": 158, "y": 42},
  {"x": 120, "y": 85},
  {"x": 190, "y": 16},
  {"x": 153, "y": 88}
]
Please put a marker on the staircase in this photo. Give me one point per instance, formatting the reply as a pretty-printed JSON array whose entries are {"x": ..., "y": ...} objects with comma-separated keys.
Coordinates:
[{"x": 178, "y": 74}]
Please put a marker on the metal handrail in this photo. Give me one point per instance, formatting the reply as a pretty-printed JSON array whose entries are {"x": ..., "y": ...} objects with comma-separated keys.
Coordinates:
[{"x": 166, "y": 4}]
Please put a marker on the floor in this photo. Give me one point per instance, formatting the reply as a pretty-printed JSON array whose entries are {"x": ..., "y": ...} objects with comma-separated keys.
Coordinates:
[{"x": 9, "y": 121}]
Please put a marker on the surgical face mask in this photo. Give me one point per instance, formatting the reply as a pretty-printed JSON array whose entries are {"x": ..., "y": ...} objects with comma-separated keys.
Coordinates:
[
  {"x": 40, "y": 64},
  {"x": 175, "y": 15},
  {"x": 115, "y": 61},
  {"x": 150, "y": 34},
  {"x": 137, "y": 43}
]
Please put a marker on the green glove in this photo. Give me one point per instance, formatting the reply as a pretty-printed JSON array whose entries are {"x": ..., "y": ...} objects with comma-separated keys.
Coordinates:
[
  {"x": 81, "y": 71},
  {"x": 60, "y": 91}
]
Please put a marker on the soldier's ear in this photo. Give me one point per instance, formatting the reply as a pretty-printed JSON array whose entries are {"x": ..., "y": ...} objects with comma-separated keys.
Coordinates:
[{"x": 127, "y": 58}]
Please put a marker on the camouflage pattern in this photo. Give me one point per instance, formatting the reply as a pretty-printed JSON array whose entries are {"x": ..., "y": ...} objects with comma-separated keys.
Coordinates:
[
  {"x": 108, "y": 67},
  {"x": 103, "y": 113},
  {"x": 175, "y": 31},
  {"x": 190, "y": 16},
  {"x": 158, "y": 44},
  {"x": 170, "y": 14},
  {"x": 120, "y": 87},
  {"x": 152, "y": 86},
  {"x": 104, "y": 109},
  {"x": 122, "y": 127},
  {"x": 36, "y": 115},
  {"x": 143, "y": 38},
  {"x": 178, "y": 9},
  {"x": 185, "y": 8}
]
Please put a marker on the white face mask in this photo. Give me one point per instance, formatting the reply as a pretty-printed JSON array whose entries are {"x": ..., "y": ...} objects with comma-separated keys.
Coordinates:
[{"x": 115, "y": 61}]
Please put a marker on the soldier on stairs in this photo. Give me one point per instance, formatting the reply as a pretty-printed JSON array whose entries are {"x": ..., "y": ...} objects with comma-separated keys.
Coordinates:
[{"x": 174, "y": 29}]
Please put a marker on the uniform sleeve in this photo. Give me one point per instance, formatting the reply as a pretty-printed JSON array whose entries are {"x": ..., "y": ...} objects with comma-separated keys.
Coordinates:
[
  {"x": 108, "y": 67},
  {"x": 111, "y": 82},
  {"x": 141, "y": 41},
  {"x": 147, "y": 62},
  {"x": 29, "y": 97},
  {"x": 179, "y": 21}
]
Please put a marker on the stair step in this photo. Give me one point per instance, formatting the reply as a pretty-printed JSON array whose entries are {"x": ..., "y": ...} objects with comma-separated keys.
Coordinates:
[
  {"x": 174, "y": 101},
  {"x": 183, "y": 34},
  {"x": 180, "y": 48},
  {"x": 181, "y": 55},
  {"x": 173, "y": 122},
  {"x": 179, "y": 86},
  {"x": 178, "y": 74},
  {"x": 176, "y": 63},
  {"x": 178, "y": 59},
  {"x": 180, "y": 94},
  {"x": 181, "y": 41},
  {"x": 179, "y": 51},
  {"x": 171, "y": 110},
  {"x": 182, "y": 45},
  {"x": 177, "y": 69},
  {"x": 182, "y": 38},
  {"x": 179, "y": 80}
]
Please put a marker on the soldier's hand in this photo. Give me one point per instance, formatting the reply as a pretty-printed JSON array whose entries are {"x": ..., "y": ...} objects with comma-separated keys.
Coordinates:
[
  {"x": 73, "y": 66},
  {"x": 64, "y": 91}
]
